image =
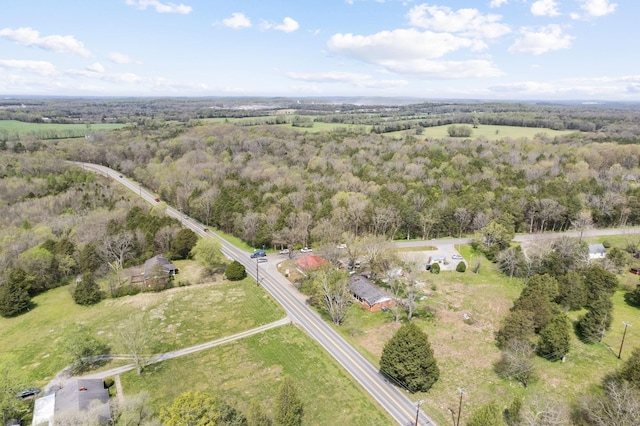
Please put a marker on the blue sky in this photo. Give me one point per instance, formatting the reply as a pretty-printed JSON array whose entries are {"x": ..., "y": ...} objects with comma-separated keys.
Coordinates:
[{"x": 480, "y": 49}]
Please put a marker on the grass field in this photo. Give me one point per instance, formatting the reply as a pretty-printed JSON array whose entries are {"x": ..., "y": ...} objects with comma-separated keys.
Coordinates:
[
  {"x": 22, "y": 128},
  {"x": 465, "y": 348},
  {"x": 488, "y": 132},
  {"x": 239, "y": 372}
]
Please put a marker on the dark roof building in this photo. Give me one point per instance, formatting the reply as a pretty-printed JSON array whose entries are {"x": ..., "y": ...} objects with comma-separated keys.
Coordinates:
[
  {"x": 79, "y": 396},
  {"x": 368, "y": 294},
  {"x": 160, "y": 261}
]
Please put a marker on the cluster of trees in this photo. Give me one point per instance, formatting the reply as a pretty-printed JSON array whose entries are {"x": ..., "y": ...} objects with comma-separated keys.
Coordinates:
[{"x": 537, "y": 322}]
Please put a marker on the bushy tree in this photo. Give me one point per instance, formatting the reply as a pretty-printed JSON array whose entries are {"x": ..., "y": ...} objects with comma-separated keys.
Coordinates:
[
  {"x": 572, "y": 292},
  {"x": 207, "y": 252},
  {"x": 182, "y": 244},
  {"x": 288, "y": 409},
  {"x": 461, "y": 267},
  {"x": 487, "y": 415},
  {"x": 517, "y": 324},
  {"x": 555, "y": 338},
  {"x": 459, "y": 131},
  {"x": 634, "y": 296},
  {"x": 435, "y": 268},
  {"x": 87, "y": 292},
  {"x": 630, "y": 371},
  {"x": 597, "y": 320},
  {"x": 14, "y": 298},
  {"x": 191, "y": 408},
  {"x": 408, "y": 359},
  {"x": 493, "y": 238},
  {"x": 600, "y": 283},
  {"x": 235, "y": 271},
  {"x": 537, "y": 302}
]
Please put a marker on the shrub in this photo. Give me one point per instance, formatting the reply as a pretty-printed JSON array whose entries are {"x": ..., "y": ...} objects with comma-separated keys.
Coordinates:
[
  {"x": 606, "y": 244},
  {"x": 435, "y": 268},
  {"x": 235, "y": 271},
  {"x": 108, "y": 382},
  {"x": 461, "y": 267},
  {"x": 126, "y": 290},
  {"x": 87, "y": 291}
]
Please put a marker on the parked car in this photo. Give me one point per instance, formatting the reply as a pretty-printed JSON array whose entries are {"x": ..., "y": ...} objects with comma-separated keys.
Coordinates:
[
  {"x": 305, "y": 250},
  {"x": 258, "y": 253},
  {"x": 27, "y": 393},
  {"x": 284, "y": 251},
  {"x": 262, "y": 260},
  {"x": 635, "y": 271},
  {"x": 157, "y": 200},
  {"x": 457, "y": 257},
  {"x": 341, "y": 246}
]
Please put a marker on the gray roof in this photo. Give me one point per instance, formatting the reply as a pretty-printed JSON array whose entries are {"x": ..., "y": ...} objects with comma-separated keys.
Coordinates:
[
  {"x": 596, "y": 248},
  {"x": 77, "y": 396},
  {"x": 167, "y": 266},
  {"x": 366, "y": 290}
]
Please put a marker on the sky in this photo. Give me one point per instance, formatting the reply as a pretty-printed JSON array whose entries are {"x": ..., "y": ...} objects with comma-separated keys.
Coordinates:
[{"x": 475, "y": 49}]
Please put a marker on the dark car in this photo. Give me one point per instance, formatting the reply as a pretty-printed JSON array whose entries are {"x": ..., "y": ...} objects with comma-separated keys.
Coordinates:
[
  {"x": 157, "y": 200},
  {"x": 258, "y": 253},
  {"x": 27, "y": 393},
  {"x": 635, "y": 271}
]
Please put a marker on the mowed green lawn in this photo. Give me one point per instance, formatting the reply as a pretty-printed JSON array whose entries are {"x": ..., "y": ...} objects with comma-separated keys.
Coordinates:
[
  {"x": 495, "y": 132},
  {"x": 239, "y": 372}
]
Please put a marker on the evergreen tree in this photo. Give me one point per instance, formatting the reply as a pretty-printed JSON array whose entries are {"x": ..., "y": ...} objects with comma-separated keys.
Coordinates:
[
  {"x": 538, "y": 303},
  {"x": 555, "y": 338},
  {"x": 408, "y": 359},
  {"x": 597, "y": 319},
  {"x": 572, "y": 291},
  {"x": 87, "y": 291},
  {"x": 634, "y": 296},
  {"x": 182, "y": 244},
  {"x": 630, "y": 371},
  {"x": 600, "y": 283},
  {"x": 487, "y": 415},
  {"x": 516, "y": 325},
  {"x": 14, "y": 299},
  {"x": 288, "y": 409}
]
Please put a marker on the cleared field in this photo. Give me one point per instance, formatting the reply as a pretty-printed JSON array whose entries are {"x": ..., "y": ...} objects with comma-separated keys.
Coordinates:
[
  {"x": 14, "y": 127},
  {"x": 493, "y": 132}
]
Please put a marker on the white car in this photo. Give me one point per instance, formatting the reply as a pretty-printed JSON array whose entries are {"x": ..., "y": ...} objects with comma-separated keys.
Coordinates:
[
  {"x": 457, "y": 257},
  {"x": 284, "y": 251},
  {"x": 262, "y": 260},
  {"x": 341, "y": 246},
  {"x": 305, "y": 250}
]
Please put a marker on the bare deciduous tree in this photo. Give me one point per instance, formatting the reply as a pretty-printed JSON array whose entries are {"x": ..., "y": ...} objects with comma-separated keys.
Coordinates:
[
  {"x": 582, "y": 222},
  {"x": 134, "y": 334}
]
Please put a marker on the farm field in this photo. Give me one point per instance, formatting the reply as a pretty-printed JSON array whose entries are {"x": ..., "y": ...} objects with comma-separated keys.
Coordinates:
[
  {"x": 488, "y": 132},
  {"x": 22, "y": 128}
]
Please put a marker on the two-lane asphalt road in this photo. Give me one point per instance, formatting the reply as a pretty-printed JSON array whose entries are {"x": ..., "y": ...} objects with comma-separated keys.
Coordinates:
[{"x": 395, "y": 402}]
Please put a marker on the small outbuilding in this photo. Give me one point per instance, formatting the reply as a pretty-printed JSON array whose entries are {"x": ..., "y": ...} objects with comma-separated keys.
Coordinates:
[{"x": 597, "y": 251}]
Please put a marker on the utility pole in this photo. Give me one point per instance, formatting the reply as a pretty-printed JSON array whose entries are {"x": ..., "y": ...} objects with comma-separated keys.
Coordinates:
[
  {"x": 626, "y": 324},
  {"x": 418, "y": 411},
  {"x": 460, "y": 406}
]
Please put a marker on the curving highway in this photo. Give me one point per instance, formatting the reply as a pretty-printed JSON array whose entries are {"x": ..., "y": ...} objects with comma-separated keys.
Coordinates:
[{"x": 395, "y": 402}]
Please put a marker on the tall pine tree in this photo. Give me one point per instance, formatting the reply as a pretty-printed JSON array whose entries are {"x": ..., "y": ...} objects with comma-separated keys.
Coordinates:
[
  {"x": 408, "y": 359},
  {"x": 288, "y": 408}
]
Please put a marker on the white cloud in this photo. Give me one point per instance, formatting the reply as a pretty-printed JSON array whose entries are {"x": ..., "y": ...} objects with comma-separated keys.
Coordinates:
[
  {"x": 355, "y": 79},
  {"x": 29, "y": 37},
  {"x": 238, "y": 20},
  {"x": 121, "y": 58},
  {"x": 598, "y": 8},
  {"x": 288, "y": 25},
  {"x": 443, "y": 70},
  {"x": 497, "y": 3},
  {"x": 469, "y": 22},
  {"x": 546, "y": 39},
  {"x": 399, "y": 45},
  {"x": 95, "y": 67},
  {"x": 37, "y": 67},
  {"x": 545, "y": 8},
  {"x": 160, "y": 7}
]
